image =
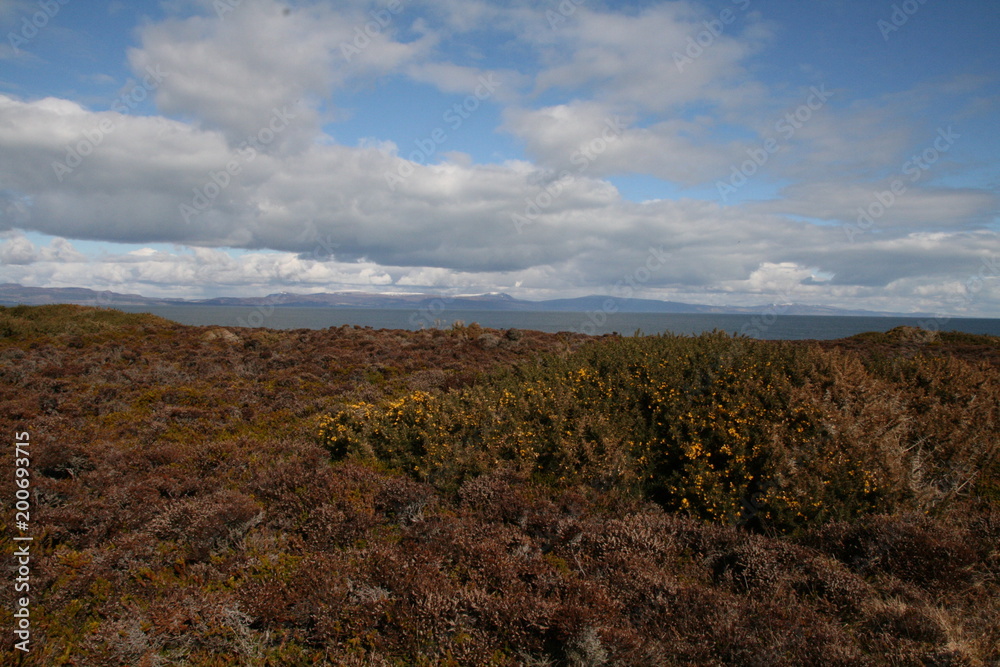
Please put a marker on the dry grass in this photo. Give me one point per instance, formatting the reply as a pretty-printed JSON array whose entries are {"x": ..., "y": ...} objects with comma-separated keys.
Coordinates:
[{"x": 474, "y": 497}]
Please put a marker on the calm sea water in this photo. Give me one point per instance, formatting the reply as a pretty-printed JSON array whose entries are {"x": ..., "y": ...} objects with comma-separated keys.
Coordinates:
[{"x": 763, "y": 325}]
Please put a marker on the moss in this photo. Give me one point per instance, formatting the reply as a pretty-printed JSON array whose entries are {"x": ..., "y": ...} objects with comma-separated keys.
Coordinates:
[{"x": 72, "y": 322}]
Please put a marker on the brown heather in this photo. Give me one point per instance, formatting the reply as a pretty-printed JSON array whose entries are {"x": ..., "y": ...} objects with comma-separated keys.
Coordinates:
[{"x": 209, "y": 496}]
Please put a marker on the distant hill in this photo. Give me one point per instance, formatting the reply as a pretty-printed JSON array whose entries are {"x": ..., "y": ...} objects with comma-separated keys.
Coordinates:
[{"x": 13, "y": 294}]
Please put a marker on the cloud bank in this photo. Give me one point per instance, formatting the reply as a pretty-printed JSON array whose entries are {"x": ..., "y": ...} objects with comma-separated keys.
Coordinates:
[{"x": 789, "y": 190}]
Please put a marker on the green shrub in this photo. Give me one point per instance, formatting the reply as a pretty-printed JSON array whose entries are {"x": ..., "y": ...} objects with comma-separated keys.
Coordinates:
[{"x": 728, "y": 429}]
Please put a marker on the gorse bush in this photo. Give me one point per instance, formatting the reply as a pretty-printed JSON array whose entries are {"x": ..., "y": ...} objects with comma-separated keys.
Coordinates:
[{"x": 728, "y": 429}]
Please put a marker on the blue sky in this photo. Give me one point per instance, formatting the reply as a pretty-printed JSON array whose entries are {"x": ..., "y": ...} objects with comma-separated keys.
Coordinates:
[{"x": 835, "y": 152}]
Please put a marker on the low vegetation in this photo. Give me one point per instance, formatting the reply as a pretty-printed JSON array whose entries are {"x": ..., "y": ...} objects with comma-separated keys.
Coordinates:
[{"x": 211, "y": 496}]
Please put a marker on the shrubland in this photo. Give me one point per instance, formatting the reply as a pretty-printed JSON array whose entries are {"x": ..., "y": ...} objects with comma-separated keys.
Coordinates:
[{"x": 215, "y": 496}]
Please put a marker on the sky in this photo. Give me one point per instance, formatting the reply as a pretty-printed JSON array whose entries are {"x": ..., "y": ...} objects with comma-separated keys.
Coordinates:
[{"x": 843, "y": 153}]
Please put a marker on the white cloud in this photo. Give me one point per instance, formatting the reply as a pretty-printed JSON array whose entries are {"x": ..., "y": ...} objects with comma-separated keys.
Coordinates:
[
  {"x": 17, "y": 250},
  {"x": 591, "y": 137},
  {"x": 873, "y": 208},
  {"x": 231, "y": 73},
  {"x": 439, "y": 219},
  {"x": 601, "y": 95},
  {"x": 632, "y": 59}
]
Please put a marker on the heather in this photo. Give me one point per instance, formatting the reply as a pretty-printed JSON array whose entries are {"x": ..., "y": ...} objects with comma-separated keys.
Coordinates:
[{"x": 212, "y": 496}]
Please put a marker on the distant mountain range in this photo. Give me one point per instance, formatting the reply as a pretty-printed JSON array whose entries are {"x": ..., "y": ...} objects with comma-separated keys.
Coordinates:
[{"x": 13, "y": 294}]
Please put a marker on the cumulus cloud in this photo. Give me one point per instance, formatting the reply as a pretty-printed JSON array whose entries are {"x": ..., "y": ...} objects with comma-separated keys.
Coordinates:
[
  {"x": 335, "y": 202},
  {"x": 231, "y": 72},
  {"x": 236, "y": 155},
  {"x": 193, "y": 272},
  {"x": 875, "y": 208},
  {"x": 591, "y": 137},
  {"x": 17, "y": 250},
  {"x": 644, "y": 60}
]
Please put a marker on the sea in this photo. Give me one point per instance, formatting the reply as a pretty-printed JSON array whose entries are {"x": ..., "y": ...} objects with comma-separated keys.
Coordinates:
[{"x": 767, "y": 324}]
